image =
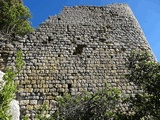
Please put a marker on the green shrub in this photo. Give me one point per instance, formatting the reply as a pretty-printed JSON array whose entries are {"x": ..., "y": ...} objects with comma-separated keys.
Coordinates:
[
  {"x": 86, "y": 106},
  {"x": 145, "y": 73},
  {"x": 7, "y": 94}
]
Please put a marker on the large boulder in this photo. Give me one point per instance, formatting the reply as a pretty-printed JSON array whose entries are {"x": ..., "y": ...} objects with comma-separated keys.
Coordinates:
[
  {"x": 14, "y": 105},
  {"x": 14, "y": 108}
]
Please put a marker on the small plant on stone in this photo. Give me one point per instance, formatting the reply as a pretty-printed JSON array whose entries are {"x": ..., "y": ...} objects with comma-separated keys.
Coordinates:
[{"x": 43, "y": 112}]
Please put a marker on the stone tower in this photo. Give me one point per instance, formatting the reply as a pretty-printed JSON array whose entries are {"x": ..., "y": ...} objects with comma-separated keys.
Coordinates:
[{"x": 78, "y": 50}]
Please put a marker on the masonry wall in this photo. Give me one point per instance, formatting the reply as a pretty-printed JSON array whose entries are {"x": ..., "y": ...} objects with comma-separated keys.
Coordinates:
[{"x": 78, "y": 50}]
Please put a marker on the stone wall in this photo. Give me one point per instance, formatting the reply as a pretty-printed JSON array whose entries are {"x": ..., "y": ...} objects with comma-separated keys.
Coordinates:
[{"x": 78, "y": 50}]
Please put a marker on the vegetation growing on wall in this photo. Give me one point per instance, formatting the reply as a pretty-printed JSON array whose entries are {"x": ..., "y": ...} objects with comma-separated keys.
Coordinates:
[
  {"x": 145, "y": 73},
  {"x": 86, "y": 106},
  {"x": 8, "y": 92}
]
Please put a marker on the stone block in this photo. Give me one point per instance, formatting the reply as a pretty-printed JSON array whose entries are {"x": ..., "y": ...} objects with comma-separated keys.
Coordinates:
[
  {"x": 24, "y": 102},
  {"x": 33, "y": 102}
]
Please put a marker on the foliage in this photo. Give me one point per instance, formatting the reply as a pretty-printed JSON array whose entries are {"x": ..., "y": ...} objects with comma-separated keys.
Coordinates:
[
  {"x": 85, "y": 106},
  {"x": 145, "y": 73},
  {"x": 8, "y": 92},
  {"x": 19, "y": 62},
  {"x": 14, "y": 17},
  {"x": 43, "y": 113},
  {"x": 98, "y": 106}
]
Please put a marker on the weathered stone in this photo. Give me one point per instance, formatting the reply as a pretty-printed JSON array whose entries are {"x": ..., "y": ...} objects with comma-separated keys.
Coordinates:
[
  {"x": 24, "y": 102},
  {"x": 14, "y": 110},
  {"x": 33, "y": 102}
]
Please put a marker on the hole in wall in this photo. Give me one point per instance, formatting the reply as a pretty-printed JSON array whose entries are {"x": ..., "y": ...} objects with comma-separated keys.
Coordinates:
[
  {"x": 59, "y": 18},
  {"x": 109, "y": 27},
  {"x": 49, "y": 39},
  {"x": 68, "y": 28},
  {"x": 69, "y": 88},
  {"x": 94, "y": 36},
  {"x": 5, "y": 56},
  {"x": 94, "y": 48},
  {"x": 54, "y": 33},
  {"x": 59, "y": 55},
  {"x": 78, "y": 38},
  {"x": 73, "y": 42},
  {"x": 123, "y": 49},
  {"x": 112, "y": 13},
  {"x": 3, "y": 64},
  {"x": 73, "y": 74},
  {"x": 102, "y": 39},
  {"x": 44, "y": 42},
  {"x": 111, "y": 56},
  {"x": 61, "y": 93},
  {"x": 100, "y": 31},
  {"x": 79, "y": 49}
]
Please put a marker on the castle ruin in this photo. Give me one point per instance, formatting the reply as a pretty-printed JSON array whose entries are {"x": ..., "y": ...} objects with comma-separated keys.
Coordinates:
[{"x": 78, "y": 50}]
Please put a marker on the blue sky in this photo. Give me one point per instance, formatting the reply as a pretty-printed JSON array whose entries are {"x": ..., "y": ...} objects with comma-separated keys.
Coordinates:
[{"x": 147, "y": 13}]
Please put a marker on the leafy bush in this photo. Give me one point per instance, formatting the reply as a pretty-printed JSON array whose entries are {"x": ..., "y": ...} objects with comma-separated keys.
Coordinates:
[
  {"x": 7, "y": 94},
  {"x": 43, "y": 112},
  {"x": 145, "y": 73},
  {"x": 86, "y": 106}
]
